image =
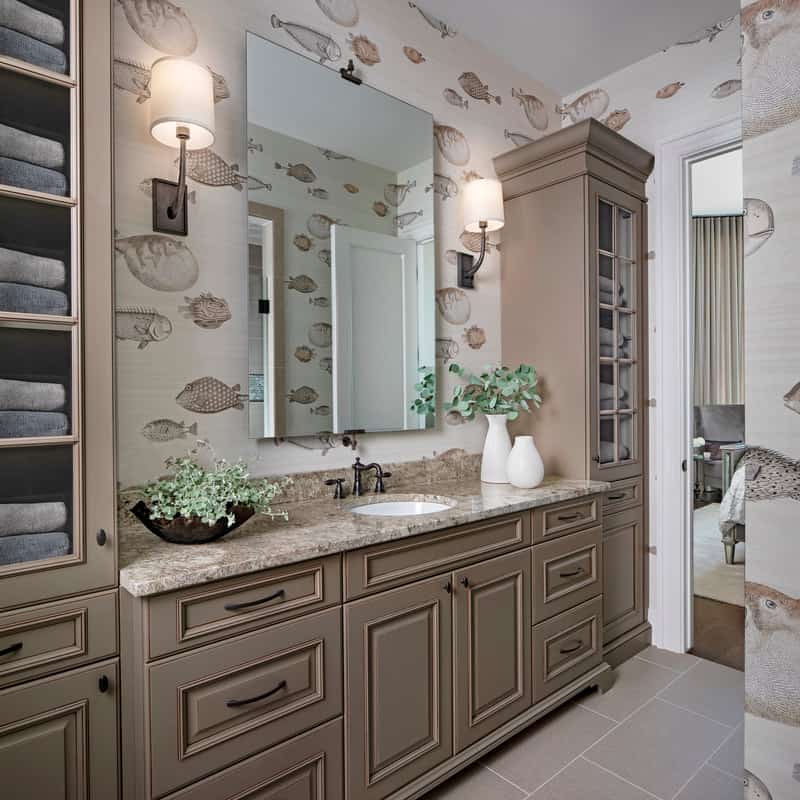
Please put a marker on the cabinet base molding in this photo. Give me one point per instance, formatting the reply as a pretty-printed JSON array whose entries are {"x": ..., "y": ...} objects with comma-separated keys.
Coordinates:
[
  {"x": 601, "y": 678},
  {"x": 628, "y": 645}
]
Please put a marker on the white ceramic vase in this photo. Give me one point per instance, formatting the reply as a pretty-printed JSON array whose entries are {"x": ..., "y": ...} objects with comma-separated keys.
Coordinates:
[
  {"x": 495, "y": 450},
  {"x": 525, "y": 467}
]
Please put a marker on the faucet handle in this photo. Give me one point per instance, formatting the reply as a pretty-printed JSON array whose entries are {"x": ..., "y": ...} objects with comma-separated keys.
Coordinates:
[
  {"x": 338, "y": 492},
  {"x": 379, "y": 487}
]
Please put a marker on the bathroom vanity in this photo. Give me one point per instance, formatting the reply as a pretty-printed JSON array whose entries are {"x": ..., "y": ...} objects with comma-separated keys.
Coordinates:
[{"x": 341, "y": 655}]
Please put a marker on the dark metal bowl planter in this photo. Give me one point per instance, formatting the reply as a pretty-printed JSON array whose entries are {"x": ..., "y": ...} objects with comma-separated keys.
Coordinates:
[{"x": 191, "y": 530}]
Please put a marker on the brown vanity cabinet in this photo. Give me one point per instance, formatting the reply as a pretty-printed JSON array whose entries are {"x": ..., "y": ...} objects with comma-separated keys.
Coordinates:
[{"x": 574, "y": 296}]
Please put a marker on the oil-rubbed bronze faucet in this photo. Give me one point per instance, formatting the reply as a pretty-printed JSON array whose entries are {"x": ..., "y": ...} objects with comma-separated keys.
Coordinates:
[{"x": 358, "y": 468}]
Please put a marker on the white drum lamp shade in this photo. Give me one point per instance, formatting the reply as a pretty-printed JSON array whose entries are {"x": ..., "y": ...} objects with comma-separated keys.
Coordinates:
[
  {"x": 483, "y": 203},
  {"x": 181, "y": 95}
]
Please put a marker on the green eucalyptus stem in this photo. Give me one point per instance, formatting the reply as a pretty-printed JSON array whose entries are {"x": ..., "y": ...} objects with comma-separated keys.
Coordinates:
[{"x": 496, "y": 390}]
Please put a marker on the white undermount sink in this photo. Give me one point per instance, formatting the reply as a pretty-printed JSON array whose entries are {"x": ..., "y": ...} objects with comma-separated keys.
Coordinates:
[{"x": 400, "y": 508}]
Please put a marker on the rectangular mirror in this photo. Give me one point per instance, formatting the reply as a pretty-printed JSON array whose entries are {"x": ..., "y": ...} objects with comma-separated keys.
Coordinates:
[{"x": 341, "y": 250}]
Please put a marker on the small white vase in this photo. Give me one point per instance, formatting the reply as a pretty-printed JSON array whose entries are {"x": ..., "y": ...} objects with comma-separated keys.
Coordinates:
[
  {"x": 525, "y": 467},
  {"x": 495, "y": 450}
]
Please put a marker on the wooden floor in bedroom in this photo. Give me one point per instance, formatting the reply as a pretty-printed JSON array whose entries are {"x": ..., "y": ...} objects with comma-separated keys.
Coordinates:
[{"x": 719, "y": 632}]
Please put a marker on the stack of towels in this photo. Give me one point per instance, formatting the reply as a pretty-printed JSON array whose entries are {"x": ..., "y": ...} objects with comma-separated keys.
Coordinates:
[
  {"x": 33, "y": 531},
  {"x": 32, "y": 408},
  {"x": 31, "y": 284},
  {"x": 28, "y": 32},
  {"x": 31, "y": 161},
  {"x": 608, "y": 395},
  {"x": 607, "y": 344},
  {"x": 608, "y": 452},
  {"x": 611, "y": 294}
]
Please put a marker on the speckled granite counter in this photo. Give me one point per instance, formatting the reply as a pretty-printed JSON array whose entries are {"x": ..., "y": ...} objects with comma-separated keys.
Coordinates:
[{"x": 315, "y": 528}]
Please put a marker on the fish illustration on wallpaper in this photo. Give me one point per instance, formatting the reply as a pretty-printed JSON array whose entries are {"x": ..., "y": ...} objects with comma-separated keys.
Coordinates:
[
  {"x": 210, "y": 396},
  {"x": 300, "y": 172},
  {"x": 134, "y": 77},
  {"x": 302, "y": 242},
  {"x": 320, "y": 334},
  {"x": 446, "y": 349},
  {"x": 455, "y": 99},
  {"x": 726, "y": 89},
  {"x": 517, "y": 139},
  {"x": 167, "y": 430},
  {"x": 324, "y": 47},
  {"x": 380, "y": 208},
  {"x": 772, "y": 475},
  {"x": 759, "y": 224},
  {"x": 475, "y": 337},
  {"x": 396, "y": 193},
  {"x": 162, "y": 25},
  {"x": 304, "y": 354},
  {"x": 324, "y": 256},
  {"x": 444, "y": 29},
  {"x": 413, "y": 55},
  {"x": 253, "y": 146},
  {"x": 453, "y": 305},
  {"x": 477, "y": 89},
  {"x": 770, "y": 47},
  {"x": 206, "y": 311},
  {"x": 256, "y": 184},
  {"x": 321, "y": 410},
  {"x": 326, "y": 365},
  {"x": 472, "y": 241},
  {"x": 320, "y": 194},
  {"x": 452, "y": 144},
  {"x": 142, "y": 325},
  {"x": 706, "y": 34},
  {"x": 319, "y": 302},
  {"x": 442, "y": 185},
  {"x": 454, "y": 418},
  {"x": 364, "y": 49},
  {"x": 593, "y": 103},
  {"x": 207, "y": 167},
  {"x": 302, "y": 283},
  {"x": 534, "y": 109},
  {"x": 146, "y": 187},
  {"x": 755, "y": 788},
  {"x": 350, "y": 188},
  {"x": 304, "y": 396},
  {"x": 342, "y": 12},
  {"x": 670, "y": 90},
  {"x": 618, "y": 119},
  {"x": 319, "y": 225},
  {"x": 332, "y": 155},
  {"x": 470, "y": 175},
  {"x": 404, "y": 220},
  {"x": 159, "y": 262}
]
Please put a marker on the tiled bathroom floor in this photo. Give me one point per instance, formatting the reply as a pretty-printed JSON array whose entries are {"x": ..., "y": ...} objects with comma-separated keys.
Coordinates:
[{"x": 671, "y": 728}]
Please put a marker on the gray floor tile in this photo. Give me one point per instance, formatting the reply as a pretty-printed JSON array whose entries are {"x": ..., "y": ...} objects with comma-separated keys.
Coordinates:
[
  {"x": 730, "y": 758},
  {"x": 636, "y": 682},
  {"x": 680, "y": 662},
  {"x": 710, "y": 689},
  {"x": 536, "y": 755},
  {"x": 710, "y": 784},
  {"x": 477, "y": 783},
  {"x": 659, "y": 748},
  {"x": 582, "y": 780}
]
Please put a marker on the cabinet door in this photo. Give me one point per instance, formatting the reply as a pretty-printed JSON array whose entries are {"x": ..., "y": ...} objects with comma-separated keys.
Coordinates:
[
  {"x": 58, "y": 736},
  {"x": 618, "y": 343},
  {"x": 492, "y": 634},
  {"x": 398, "y": 686},
  {"x": 623, "y": 568}
]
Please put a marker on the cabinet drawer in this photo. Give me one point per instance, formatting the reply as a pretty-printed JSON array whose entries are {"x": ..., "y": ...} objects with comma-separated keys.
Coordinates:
[
  {"x": 217, "y": 705},
  {"x": 625, "y": 494},
  {"x": 566, "y": 572},
  {"x": 57, "y": 636},
  {"x": 566, "y": 647},
  {"x": 308, "y": 767},
  {"x": 386, "y": 565},
  {"x": 190, "y": 617},
  {"x": 550, "y": 522}
]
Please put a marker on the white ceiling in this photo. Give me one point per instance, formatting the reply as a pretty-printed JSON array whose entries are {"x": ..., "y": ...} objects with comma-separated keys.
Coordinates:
[{"x": 568, "y": 44}]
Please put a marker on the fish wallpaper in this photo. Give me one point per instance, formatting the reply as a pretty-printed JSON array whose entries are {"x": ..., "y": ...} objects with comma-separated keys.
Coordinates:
[
  {"x": 182, "y": 365},
  {"x": 771, "y": 121}
]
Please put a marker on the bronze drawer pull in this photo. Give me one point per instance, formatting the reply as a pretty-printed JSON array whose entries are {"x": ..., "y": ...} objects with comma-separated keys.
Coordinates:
[
  {"x": 567, "y": 650},
  {"x": 569, "y": 517},
  {"x": 616, "y": 496},
  {"x": 13, "y": 648},
  {"x": 465, "y": 582},
  {"x": 448, "y": 587},
  {"x": 572, "y": 573},
  {"x": 251, "y": 603},
  {"x": 249, "y": 700}
]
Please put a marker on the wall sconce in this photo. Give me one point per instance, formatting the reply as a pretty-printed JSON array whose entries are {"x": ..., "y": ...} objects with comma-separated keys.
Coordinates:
[
  {"x": 181, "y": 115},
  {"x": 483, "y": 212}
]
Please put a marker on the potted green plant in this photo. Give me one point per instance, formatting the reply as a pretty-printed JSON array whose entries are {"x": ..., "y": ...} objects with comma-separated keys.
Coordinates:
[
  {"x": 500, "y": 393},
  {"x": 194, "y": 504}
]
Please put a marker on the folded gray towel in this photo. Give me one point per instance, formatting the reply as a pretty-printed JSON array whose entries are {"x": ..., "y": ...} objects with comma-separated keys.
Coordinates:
[
  {"x": 32, "y": 22},
  {"x": 30, "y": 176},
  {"x": 608, "y": 392},
  {"x": 26, "y": 424},
  {"x": 29, "y": 147},
  {"x": 608, "y": 452},
  {"x": 31, "y": 396},
  {"x": 19, "y": 267},
  {"x": 607, "y": 285},
  {"x": 33, "y": 547},
  {"x": 607, "y": 337},
  {"x": 26, "y": 48},
  {"x": 607, "y": 351},
  {"x": 22, "y": 299},
  {"x": 16, "y": 518}
]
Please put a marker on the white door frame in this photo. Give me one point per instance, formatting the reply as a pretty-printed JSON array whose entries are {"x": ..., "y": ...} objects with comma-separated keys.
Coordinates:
[{"x": 672, "y": 348}]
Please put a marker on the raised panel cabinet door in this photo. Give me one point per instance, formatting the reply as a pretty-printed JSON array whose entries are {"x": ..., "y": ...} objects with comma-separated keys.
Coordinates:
[
  {"x": 623, "y": 579},
  {"x": 58, "y": 737},
  {"x": 398, "y": 687},
  {"x": 492, "y": 634}
]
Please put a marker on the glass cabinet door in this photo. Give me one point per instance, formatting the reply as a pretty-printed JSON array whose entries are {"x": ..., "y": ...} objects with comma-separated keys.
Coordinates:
[{"x": 616, "y": 332}]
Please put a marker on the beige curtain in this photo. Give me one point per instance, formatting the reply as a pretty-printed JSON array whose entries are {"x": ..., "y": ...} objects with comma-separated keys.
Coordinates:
[{"x": 718, "y": 267}]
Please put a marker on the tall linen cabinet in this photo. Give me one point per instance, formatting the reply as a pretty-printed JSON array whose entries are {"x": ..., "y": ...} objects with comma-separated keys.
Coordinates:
[
  {"x": 574, "y": 304},
  {"x": 59, "y": 688}
]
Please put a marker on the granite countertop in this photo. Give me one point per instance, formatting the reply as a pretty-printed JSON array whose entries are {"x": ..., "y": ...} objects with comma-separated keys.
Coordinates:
[{"x": 316, "y": 528}]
